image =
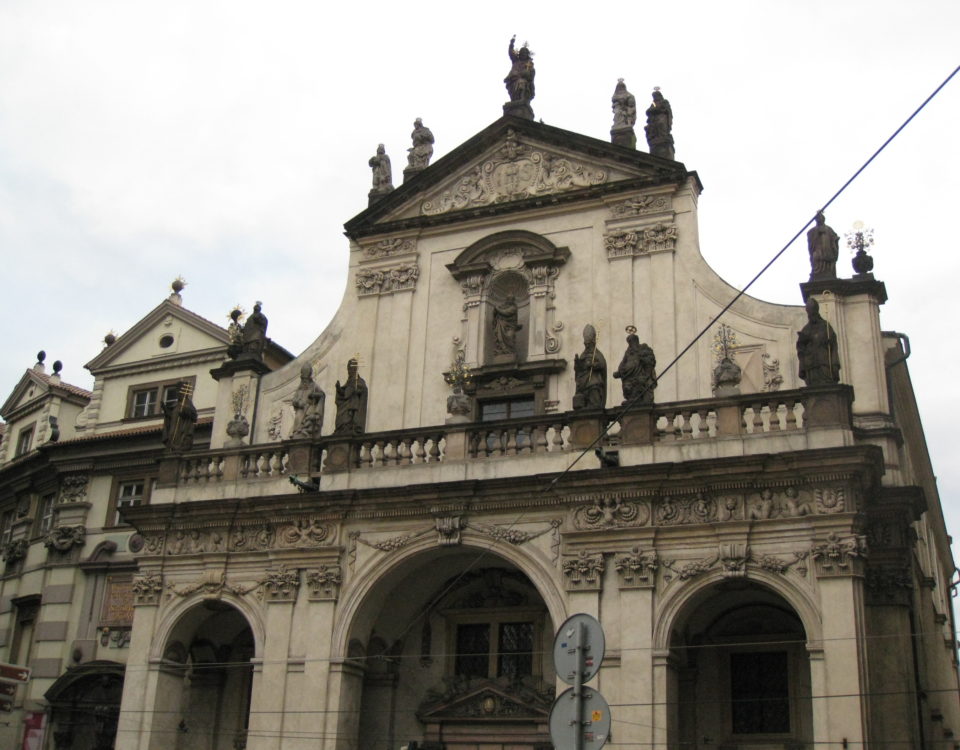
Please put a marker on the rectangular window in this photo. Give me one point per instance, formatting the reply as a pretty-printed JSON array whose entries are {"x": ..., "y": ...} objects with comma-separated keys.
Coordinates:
[
  {"x": 491, "y": 411},
  {"x": 494, "y": 649},
  {"x": 129, "y": 494},
  {"x": 45, "y": 514},
  {"x": 759, "y": 692},
  {"x": 144, "y": 400},
  {"x": 6, "y": 527},
  {"x": 24, "y": 440},
  {"x": 21, "y": 644},
  {"x": 144, "y": 403}
]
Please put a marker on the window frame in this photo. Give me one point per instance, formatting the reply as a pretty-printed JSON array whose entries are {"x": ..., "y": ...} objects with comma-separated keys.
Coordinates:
[
  {"x": 25, "y": 434},
  {"x": 8, "y": 516},
  {"x": 775, "y": 646},
  {"x": 46, "y": 514},
  {"x": 157, "y": 387},
  {"x": 495, "y": 617},
  {"x": 112, "y": 521}
]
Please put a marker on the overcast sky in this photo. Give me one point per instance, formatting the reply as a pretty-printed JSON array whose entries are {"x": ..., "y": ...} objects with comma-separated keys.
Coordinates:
[{"x": 228, "y": 142}]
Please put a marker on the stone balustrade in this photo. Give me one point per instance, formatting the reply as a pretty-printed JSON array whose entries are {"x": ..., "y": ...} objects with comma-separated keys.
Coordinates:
[{"x": 750, "y": 416}]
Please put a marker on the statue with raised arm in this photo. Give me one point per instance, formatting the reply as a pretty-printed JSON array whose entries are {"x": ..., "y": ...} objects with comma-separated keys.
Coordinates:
[
  {"x": 506, "y": 323},
  {"x": 659, "y": 126},
  {"x": 351, "y": 403},
  {"x": 418, "y": 156},
  {"x": 519, "y": 81},
  {"x": 817, "y": 349},
  {"x": 637, "y": 372},
  {"x": 253, "y": 334},
  {"x": 823, "y": 244},
  {"x": 308, "y": 403},
  {"x": 590, "y": 374}
]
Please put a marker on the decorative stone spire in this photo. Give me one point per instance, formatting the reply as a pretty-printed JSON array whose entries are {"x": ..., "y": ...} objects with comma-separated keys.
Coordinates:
[
  {"x": 624, "y": 117},
  {"x": 660, "y": 126},
  {"x": 519, "y": 81}
]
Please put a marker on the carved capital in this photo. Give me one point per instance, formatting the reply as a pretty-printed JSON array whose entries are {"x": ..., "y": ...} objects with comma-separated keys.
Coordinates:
[
  {"x": 387, "y": 280},
  {"x": 280, "y": 585},
  {"x": 637, "y": 569},
  {"x": 323, "y": 583},
  {"x": 839, "y": 556},
  {"x": 147, "y": 590},
  {"x": 584, "y": 572}
]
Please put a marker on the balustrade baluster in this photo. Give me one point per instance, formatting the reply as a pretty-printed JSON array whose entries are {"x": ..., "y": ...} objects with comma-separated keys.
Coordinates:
[
  {"x": 758, "y": 418},
  {"x": 686, "y": 425},
  {"x": 474, "y": 444},
  {"x": 366, "y": 454},
  {"x": 404, "y": 453},
  {"x": 791, "y": 407},
  {"x": 538, "y": 438},
  {"x": 558, "y": 436},
  {"x": 510, "y": 448},
  {"x": 777, "y": 421},
  {"x": 419, "y": 450},
  {"x": 435, "y": 448}
]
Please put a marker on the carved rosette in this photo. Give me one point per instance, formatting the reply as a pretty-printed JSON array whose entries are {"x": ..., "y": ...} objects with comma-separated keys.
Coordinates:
[
  {"x": 280, "y": 585},
  {"x": 840, "y": 556},
  {"x": 64, "y": 538},
  {"x": 611, "y": 512},
  {"x": 515, "y": 172},
  {"x": 387, "y": 280},
  {"x": 73, "y": 488},
  {"x": 584, "y": 571},
  {"x": 323, "y": 583},
  {"x": 147, "y": 590},
  {"x": 306, "y": 532},
  {"x": 673, "y": 511},
  {"x": 637, "y": 569}
]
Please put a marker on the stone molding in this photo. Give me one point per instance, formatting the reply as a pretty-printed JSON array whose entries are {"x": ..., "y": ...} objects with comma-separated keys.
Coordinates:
[
  {"x": 302, "y": 533},
  {"x": 73, "y": 488},
  {"x": 584, "y": 571},
  {"x": 637, "y": 569},
  {"x": 147, "y": 590},
  {"x": 735, "y": 560},
  {"x": 641, "y": 205},
  {"x": 387, "y": 279},
  {"x": 65, "y": 538}
]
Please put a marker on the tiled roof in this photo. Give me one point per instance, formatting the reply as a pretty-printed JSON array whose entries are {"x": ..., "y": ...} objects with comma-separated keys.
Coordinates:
[
  {"x": 129, "y": 432},
  {"x": 75, "y": 390}
]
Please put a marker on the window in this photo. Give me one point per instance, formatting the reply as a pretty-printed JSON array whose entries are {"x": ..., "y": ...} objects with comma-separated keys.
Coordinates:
[
  {"x": 502, "y": 644},
  {"x": 24, "y": 440},
  {"x": 760, "y": 692},
  {"x": 128, "y": 493},
  {"x": 6, "y": 527},
  {"x": 45, "y": 514},
  {"x": 144, "y": 400},
  {"x": 21, "y": 645},
  {"x": 491, "y": 411}
]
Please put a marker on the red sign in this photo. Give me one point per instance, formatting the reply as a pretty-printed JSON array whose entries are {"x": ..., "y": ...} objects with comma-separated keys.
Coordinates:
[{"x": 14, "y": 673}]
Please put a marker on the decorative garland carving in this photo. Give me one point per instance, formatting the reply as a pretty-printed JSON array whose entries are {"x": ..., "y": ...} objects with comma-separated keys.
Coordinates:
[
  {"x": 637, "y": 569},
  {"x": 735, "y": 560},
  {"x": 641, "y": 241},
  {"x": 399, "y": 278},
  {"x": 301, "y": 533},
  {"x": 212, "y": 586},
  {"x": 514, "y": 172},
  {"x": 147, "y": 589},
  {"x": 64, "y": 538},
  {"x": 16, "y": 550},
  {"x": 584, "y": 572},
  {"x": 641, "y": 205},
  {"x": 390, "y": 247},
  {"x": 511, "y": 535},
  {"x": 73, "y": 489},
  {"x": 611, "y": 512},
  {"x": 324, "y": 583}
]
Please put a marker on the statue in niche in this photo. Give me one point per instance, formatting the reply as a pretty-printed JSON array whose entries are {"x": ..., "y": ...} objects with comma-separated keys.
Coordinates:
[
  {"x": 638, "y": 371},
  {"x": 519, "y": 81},
  {"x": 253, "y": 334},
  {"x": 590, "y": 374},
  {"x": 308, "y": 403},
  {"x": 660, "y": 126},
  {"x": 418, "y": 157},
  {"x": 179, "y": 418},
  {"x": 351, "y": 403},
  {"x": 823, "y": 245},
  {"x": 506, "y": 323},
  {"x": 817, "y": 349},
  {"x": 382, "y": 172}
]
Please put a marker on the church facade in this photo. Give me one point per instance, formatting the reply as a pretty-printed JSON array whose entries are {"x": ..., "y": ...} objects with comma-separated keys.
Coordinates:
[{"x": 372, "y": 544}]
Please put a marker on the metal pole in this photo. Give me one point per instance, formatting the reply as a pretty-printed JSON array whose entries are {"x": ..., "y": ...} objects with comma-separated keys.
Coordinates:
[{"x": 578, "y": 688}]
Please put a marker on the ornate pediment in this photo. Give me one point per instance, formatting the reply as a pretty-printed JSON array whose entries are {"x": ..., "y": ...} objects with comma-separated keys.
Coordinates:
[{"x": 487, "y": 699}]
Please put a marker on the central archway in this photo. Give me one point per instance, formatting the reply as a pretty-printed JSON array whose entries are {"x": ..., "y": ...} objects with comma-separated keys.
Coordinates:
[{"x": 451, "y": 649}]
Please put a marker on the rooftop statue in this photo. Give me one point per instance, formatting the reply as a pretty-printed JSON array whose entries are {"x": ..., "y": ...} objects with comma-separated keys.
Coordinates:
[
  {"x": 519, "y": 81},
  {"x": 418, "y": 157},
  {"x": 351, "y": 403},
  {"x": 660, "y": 126},
  {"x": 382, "y": 173},
  {"x": 590, "y": 374},
  {"x": 179, "y": 418},
  {"x": 823, "y": 245},
  {"x": 624, "y": 116},
  {"x": 637, "y": 371},
  {"x": 308, "y": 403},
  {"x": 817, "y": 349},
  {"x": 252, "y": 335}
]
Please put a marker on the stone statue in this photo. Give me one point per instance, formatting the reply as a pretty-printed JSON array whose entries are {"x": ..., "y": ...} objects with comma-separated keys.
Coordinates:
[
  {"x": 817, "y": 349},
  {"x": 590, "y": 374},
  {"x": 660, "y": 126},
  {"x": 253, "y": 335},
  {"x": 505, "y": 326},
  {"x": 624, "y": 116},
  {"x": 519, "y": 81},
  {"x": 351, "y": 403},
  {"x": 637, "y": 372},
  {"x": 235, "y": 332},
  {"x": 823, "y": 245},
  {"x": 179, "y": 418},
  {"x": 418, "y": 157},
  {"x": 382, "y": 173},
  {"x": 726, "y": 377},
  {"x": 308, "y": 403}
]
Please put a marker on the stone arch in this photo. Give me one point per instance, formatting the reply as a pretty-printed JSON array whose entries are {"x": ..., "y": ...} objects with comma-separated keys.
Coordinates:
[
  {"x": 676, "y": 604},
  {"x": 174, "y": 614}
]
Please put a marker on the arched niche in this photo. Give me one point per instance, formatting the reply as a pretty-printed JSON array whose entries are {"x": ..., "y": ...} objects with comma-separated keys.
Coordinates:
[{"x": 508, "y": 281}]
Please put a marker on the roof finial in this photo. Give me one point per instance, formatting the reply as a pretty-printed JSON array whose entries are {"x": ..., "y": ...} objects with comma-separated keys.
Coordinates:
[{"x": 177, "y": 286}]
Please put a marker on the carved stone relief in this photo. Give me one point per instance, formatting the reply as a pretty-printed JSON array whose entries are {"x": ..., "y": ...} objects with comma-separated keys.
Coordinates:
[
  {"x": 839, "y": 556},
  {"x": 147, "y": 590},
  {"x": 584, "y": 571},
  {"x": 73, "y": 488},
  {"x": 280, "y": 585},
  {"x": 735, "y": 561},
  {"x": 515, "y": 172},
  {"x": 611, "y": 512},
  {"x": 210, "y": 585},
  {"x": 640, "y": 206},
  {"x": 829, "y": 500},
  {"x": 390, "y": 247},
  {"x": 637, "y": 569},
  {"x": 15, "y": 550},
  {"x": 323, "y": 583},
  {"x": 888, "y": 585},
  {"x": 400, "y": 278},
  {"x": 641, "y": 240},
  {"x": 448, "y": 530},
  {"x": 65, "y": 538},
  {"x": 301, "y": 533}
]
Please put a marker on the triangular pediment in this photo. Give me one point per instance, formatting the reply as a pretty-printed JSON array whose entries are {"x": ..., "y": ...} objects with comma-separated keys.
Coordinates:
[
  {"x": 144, "y": 341},
  {"x": 487, "y": 699},
  {"x": 511, "y": 164},
  {"x": 33, "y": 386}
]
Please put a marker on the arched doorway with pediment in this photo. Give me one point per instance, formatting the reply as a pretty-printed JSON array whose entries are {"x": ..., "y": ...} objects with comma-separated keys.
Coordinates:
[{"x": 451, "y": 650}]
